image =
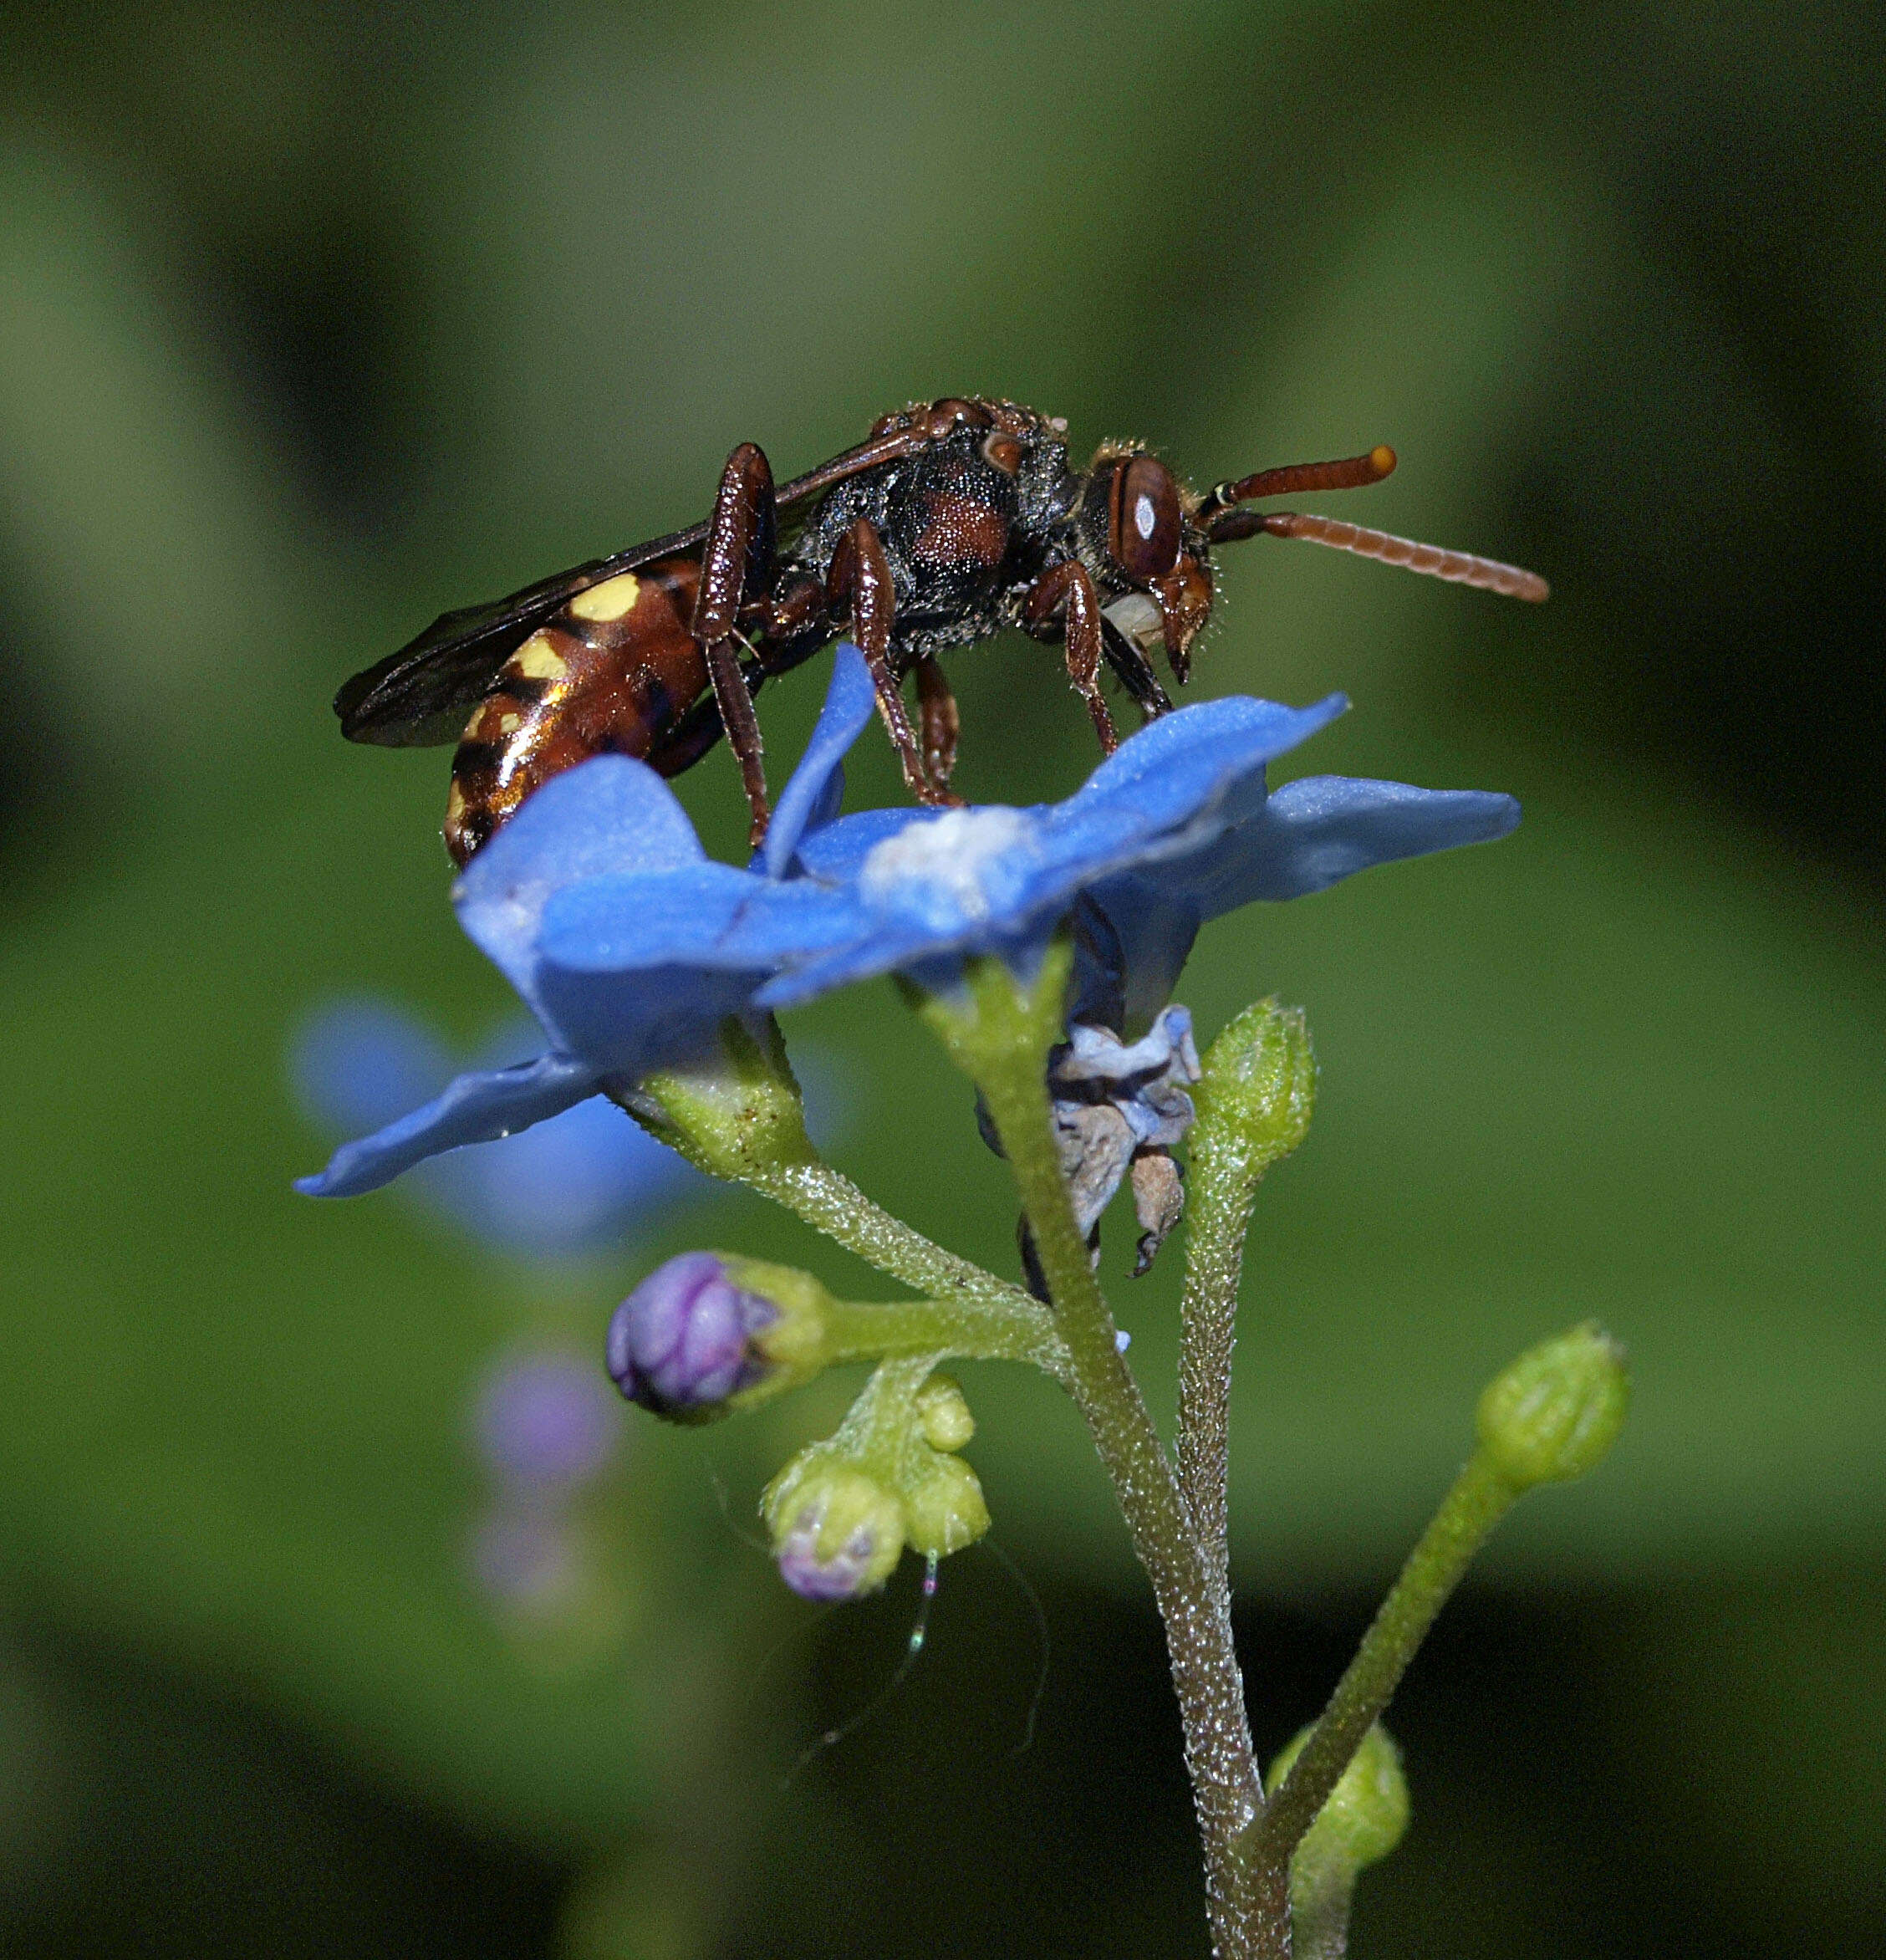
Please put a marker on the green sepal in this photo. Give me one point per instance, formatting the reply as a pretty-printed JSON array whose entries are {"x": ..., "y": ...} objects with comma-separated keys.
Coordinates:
[
  {"x": 1363, "y": 1820},
  {"x": 1366, "y": 1813},
  {"x": 798, "y": 1342},
  {"x": 735, "y": 1117},
  {"x": 847, "y": 1500},
  {"x": 880, "y": 1472}
]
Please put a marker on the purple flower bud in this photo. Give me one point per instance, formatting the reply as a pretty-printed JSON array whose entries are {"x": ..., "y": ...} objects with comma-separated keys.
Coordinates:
[
  {"x": 544, "y": 1420},
  {"x": 837, "y": 1531},
  {"x": 843, "y": 1576},
  {"x": 682, "y": 1342}
]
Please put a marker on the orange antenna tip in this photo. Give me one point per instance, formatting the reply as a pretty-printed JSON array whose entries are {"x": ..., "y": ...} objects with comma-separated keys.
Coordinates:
[{"x": 1383, "y": 459}]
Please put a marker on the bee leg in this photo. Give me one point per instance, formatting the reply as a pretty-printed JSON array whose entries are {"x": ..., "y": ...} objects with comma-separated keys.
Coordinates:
[
  {"x": 939, "y": 720},
  {"x": 1066, "y": 588},
  {"x": 1134, "y": 670},
  {"x": 860, "y": 574},
  {"x": 736, "y": 564}
]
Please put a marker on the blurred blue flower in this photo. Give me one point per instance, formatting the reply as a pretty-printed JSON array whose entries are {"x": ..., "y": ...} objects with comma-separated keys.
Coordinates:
[
  {"x": 574, "y": 1183},
  {"x": 631, "y": 947},
  {"x": 545, "y": 1423}
]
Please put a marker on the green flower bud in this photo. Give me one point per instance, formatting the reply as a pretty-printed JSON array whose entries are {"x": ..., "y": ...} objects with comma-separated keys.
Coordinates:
[
  {"x": 1259, "y": 1087},
  {"x": 943, "y": 1414},
  {"x": 944, "y": 1509},
  {"x": 1366, "y": 1815},
  {"x": 836, "y": 1530},
  {"x": 734, "y": 1116},
  {"x": 1555, "y": 1413}
]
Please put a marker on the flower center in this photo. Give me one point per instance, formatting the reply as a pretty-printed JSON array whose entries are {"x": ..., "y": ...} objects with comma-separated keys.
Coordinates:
[{"x": 943, "y": 859}]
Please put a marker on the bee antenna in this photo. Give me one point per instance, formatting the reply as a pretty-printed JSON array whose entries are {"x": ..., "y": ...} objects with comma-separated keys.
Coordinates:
[
  {"x": 1349, "y": 473},
  {"x": 1459, "y": 568}
]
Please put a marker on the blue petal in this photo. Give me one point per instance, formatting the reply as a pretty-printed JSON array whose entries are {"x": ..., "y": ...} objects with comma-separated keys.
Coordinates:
[
  {"x": 710, "y": 916},
  {"x": 476, "y": 1108},
  {"x": 640, "y": 972},
  {"x": 1320, "y": 829},
  {"x": 811, "y": 797},
  {"x": 835, "y": 855},
  {"x": 1184, "y": 762},
  {"x": 612, "y": 813}
]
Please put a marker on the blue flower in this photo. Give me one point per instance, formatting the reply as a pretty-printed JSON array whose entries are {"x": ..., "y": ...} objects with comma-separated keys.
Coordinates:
[
  {"x": 1175, "y": 827},
  {"x": 691, "y": 942},
  {"x": 631, "y": 947}
]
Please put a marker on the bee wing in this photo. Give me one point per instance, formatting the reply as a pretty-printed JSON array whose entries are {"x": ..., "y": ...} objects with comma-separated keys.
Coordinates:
[{"x": 423, "y": 693}]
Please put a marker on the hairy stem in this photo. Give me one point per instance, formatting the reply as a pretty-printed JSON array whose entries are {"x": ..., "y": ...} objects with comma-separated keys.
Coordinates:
[
  {"x": 1001, "y": 1037},
  {"x": 1218, "y": 1207},
  {"x": 1480, "y": 1497},
  {"x": 831, "y": 1203},
  {"x": 973, "y": 1330},
  {"x": 1254, "y": 1099}
]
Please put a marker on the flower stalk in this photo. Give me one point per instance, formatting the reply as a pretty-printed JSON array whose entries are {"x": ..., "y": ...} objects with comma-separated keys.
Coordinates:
[
  {"x": 999, "y": 1032},
  {"x": 1551, "y": 1416},
  {"x": 1254, "y": 1101},
  {"x": 742, "y": 1119}
]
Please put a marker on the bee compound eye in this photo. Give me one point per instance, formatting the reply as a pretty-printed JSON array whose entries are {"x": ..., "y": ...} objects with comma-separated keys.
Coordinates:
[{"x": 1143, "y": 529}]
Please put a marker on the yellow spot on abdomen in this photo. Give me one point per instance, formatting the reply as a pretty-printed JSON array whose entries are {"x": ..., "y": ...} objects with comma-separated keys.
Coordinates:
[
  {"x": 609, "y": 600},
  {"x": 455, "y": 804},
  {"x": 509, "y": 724},
  {"x": 539, "y": 659}
]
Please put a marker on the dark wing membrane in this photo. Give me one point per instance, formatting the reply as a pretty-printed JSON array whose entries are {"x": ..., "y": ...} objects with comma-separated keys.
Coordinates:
[{"x": 424, "y": 693}]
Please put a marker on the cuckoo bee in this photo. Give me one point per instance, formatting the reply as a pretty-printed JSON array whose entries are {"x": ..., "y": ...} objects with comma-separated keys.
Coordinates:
[{"x": 952, "y": 519}]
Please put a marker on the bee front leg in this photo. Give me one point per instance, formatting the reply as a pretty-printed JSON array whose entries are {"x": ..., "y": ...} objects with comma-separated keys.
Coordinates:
[
  {"x": 860, "y": 579},
  {"x": 1067, "y": 589},
  {"x": 1134, "y": 670},
  {"x": 735, "y": 564}
]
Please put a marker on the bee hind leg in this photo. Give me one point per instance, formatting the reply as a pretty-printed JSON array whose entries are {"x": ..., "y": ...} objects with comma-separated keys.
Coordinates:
[{"x": 736, "y": 564}]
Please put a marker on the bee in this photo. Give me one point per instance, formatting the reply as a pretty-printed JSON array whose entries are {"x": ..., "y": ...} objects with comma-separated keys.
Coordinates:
[{"x": 952, "y": 520}]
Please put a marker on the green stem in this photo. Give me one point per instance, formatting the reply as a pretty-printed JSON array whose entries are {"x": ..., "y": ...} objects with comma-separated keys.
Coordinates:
[
  {"x": 1221, "y": 1194},
  {"x": 1254, "y": 1100},
  {"x": 972, "y": 1331},
  {"x": 1319, "y": 1913},
  {"x": 831, "y": 1203},
  {"x": 1480, "y": 1498},
  {"x": 1001, "y": 1037}
]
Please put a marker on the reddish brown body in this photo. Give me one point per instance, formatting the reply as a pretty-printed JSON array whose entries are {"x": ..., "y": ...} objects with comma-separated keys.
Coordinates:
[{"x": 612, "y": 673}]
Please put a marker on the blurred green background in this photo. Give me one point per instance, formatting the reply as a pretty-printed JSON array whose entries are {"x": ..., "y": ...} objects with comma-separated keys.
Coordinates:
[{"x": 314, "y": 320}]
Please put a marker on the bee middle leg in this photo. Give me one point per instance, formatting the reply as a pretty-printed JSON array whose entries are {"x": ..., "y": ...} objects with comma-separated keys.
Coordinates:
[
  {"x": 938, "y": 721},
  {"x": 860, "y": 577},
  {"x": 736, "y": 564},
  {"x": 1067, "y": 589}
]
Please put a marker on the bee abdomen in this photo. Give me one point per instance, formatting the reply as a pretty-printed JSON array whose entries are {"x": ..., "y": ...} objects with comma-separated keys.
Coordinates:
[{"x": 610, "y": 674}]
